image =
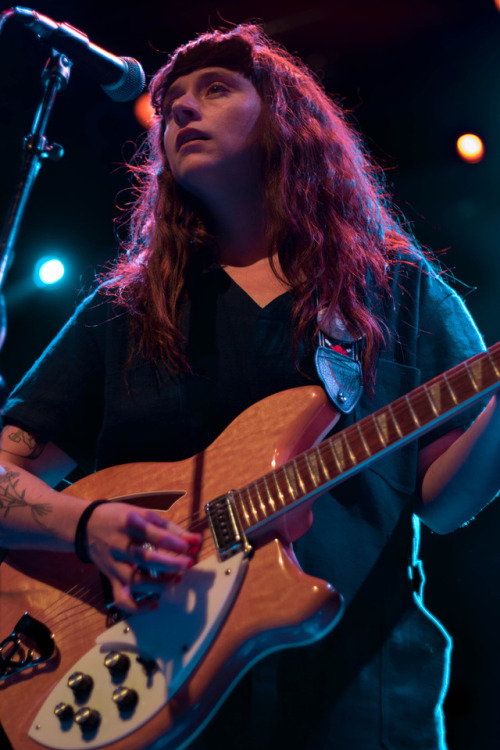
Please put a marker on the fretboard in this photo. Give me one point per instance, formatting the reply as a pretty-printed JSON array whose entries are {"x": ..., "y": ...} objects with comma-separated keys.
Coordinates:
[{"x": 362, "y": 443}]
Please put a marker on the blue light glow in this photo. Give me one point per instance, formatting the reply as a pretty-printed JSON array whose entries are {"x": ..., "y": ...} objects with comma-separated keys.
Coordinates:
[{"x": 48, "y": 271}]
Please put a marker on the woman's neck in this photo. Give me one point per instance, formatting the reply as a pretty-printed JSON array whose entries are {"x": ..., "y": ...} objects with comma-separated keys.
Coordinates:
[{"x": 239, "y": 226}]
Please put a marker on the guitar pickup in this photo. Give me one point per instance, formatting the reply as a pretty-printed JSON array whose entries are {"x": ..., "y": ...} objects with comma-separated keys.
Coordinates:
[{"x": 226, "y": 527}]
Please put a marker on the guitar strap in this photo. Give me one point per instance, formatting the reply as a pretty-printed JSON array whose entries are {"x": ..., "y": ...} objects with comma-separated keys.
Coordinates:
[{"x": 337, "y": 360}]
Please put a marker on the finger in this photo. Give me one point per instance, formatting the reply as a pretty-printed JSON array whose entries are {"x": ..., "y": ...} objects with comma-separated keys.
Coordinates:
[
  {"x": 192, "y": 538},
  {"x": 153, "y": 517},
  {"x": 136, "y": 525},
  {"x": 122, "y": 597},
  {"x": 155, "y": 533},
  {"x": 148, "y": 556},
  {"x": 162, "y": 533}
]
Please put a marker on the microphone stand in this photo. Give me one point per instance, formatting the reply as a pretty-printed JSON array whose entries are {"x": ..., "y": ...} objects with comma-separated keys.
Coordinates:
[{"x": 36, "y": 149}]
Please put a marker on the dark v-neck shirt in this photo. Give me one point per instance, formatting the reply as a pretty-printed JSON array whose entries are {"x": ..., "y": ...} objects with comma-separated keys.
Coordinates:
[
  {"x": 103, "y": 413},
  {"x": 240, "y": 352}
]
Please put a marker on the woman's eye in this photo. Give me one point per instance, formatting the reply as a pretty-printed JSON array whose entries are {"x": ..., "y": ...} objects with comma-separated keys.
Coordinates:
[{"x": 216, "y": 88}]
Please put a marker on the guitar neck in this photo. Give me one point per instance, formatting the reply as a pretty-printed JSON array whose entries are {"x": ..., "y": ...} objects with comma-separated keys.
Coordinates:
[{"x": 354, "y": 448}]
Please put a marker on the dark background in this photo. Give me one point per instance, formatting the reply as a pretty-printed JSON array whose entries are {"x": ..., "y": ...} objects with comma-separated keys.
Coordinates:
[{"x": 415, "y": 74}]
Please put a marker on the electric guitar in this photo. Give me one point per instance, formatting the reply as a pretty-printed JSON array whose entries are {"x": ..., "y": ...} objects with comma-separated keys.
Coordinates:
[{"x": 72, "y": 676}]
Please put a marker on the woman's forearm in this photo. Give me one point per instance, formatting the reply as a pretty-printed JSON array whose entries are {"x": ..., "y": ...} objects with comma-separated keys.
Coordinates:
[
  {"x": 34, "y": 515},
  {"x": 466, "y": 477}
]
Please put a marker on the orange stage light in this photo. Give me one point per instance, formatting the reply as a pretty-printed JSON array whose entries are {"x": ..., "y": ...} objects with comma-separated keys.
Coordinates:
[
  {"x": 470, "y": 147},
  {"x": 143, "y": 111}
]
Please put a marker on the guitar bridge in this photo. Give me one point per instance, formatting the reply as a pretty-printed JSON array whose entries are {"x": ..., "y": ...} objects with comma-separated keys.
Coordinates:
[
  {"x": 29, "y": 644},
  {"x": 226, "y": 527}
]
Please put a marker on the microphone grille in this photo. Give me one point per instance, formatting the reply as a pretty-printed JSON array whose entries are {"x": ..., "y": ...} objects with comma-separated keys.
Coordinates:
[{"x": 130, "y": 85}]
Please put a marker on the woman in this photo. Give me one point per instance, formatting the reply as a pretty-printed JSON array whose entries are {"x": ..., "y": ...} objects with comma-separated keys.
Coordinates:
[{"x": 261, "y": 236}]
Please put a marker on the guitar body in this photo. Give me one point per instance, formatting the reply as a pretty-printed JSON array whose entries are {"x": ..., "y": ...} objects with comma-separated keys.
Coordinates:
[{"x": 277, "y": 604}]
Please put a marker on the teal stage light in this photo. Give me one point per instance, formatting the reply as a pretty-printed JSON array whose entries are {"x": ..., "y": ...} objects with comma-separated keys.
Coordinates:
[{"x": 48, "y": 271}]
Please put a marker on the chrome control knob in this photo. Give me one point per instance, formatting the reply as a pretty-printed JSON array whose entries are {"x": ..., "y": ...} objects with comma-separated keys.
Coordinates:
[
  {"x": 88, "y": 719},
  {"x": 64, "y": 712},
  {"x": 81, "y": 685},
  {"x": 117, "y": 663},
  {"x": 125, "y": 698}
]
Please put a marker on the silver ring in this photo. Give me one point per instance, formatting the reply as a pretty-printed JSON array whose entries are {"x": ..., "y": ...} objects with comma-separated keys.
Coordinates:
[{"x": 144, "y": 569}]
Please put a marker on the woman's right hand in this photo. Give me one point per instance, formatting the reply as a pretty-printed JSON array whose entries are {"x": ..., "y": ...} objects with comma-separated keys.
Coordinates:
[
  {"x": 127, "y": 544},
  {"x": 139, "y": 551}
]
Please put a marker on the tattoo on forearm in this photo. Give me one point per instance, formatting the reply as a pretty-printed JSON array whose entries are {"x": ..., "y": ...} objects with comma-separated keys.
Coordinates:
[
  {"x": 11, "y": 497},
  {"x": 34, "y": 445}
]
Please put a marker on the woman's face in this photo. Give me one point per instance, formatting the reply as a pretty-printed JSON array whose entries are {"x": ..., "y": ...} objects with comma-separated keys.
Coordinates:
[{"x": 212, "y": 131}]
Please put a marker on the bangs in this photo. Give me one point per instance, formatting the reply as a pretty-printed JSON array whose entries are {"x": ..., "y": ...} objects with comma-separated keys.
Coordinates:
[{"x": 213, "y": 49}]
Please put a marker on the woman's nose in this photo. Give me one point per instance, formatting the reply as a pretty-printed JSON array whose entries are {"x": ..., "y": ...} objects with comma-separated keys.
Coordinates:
[{"x": 185, "y": 109}]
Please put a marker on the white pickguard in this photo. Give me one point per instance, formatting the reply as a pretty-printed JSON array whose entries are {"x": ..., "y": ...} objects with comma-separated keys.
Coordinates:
[{"x": 175, "y": 636}]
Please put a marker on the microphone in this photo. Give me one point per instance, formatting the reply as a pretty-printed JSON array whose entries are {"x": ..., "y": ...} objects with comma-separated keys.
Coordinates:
[{"x": 121, "y": 78}]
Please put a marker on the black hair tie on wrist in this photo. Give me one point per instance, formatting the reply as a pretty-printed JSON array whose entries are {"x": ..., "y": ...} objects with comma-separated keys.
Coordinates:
[{"x": 81, "y": 546}]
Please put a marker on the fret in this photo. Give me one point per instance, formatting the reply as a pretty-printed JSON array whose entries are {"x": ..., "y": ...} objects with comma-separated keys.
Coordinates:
[
  {"x": 349, "y": 449},
  {"x": 238, "y": 507},
  {"x": 431, "y": 401},
  {"x": 363, "y": 440},
  {"x": 334, "y": 445},
  {"x": 493, "y": 364},
  {"x": 452, "y": 392},
  {"x": 299, "y": 476},
  {"x": 292, "y": 488},
  {"x": 412, "y": 411},
  {"x": 439, "y": 396},
  {"x": 261, "y": 502},
  {"x": 270, "y": 500},
  {"x": 278, "y": 488},
  {"x": 324, "y": 467},
  {"x": 473, "y": 380},
  {"x": 252, "y": 506},
  {"x": 396, "y": 423},
  {"x": 245, "y": 511},
  {"x": 380, "y": 431},
  {"x": 312, "y": 465}
]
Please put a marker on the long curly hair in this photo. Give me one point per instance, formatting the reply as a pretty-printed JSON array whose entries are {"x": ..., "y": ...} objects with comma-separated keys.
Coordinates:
[{"x": 330, "y": 222}]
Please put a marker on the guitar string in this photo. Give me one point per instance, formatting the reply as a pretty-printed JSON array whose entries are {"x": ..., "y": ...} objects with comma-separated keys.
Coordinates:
[
  {"x": 79, "y": 594},
  {"x": 63, "y": 612},
  {"x": 65, "y": 624},
  {"x": 76, "y": 610},
  {"x": 85, "y": 599}
]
